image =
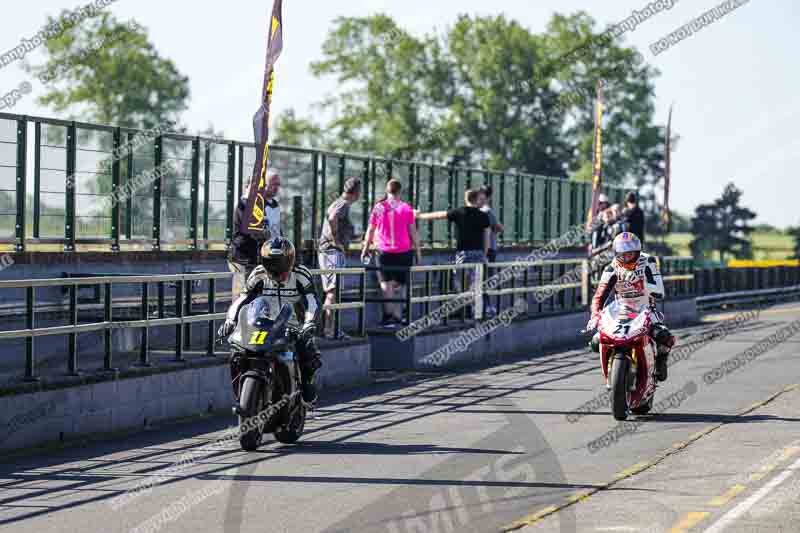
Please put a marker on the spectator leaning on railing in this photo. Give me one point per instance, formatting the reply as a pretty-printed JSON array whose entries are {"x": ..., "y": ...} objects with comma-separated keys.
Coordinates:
[
  {"x": 337, "y": 232},
  {"x": 392, "y": 222},
  {"x": 243, "y": 254},
  {"x": 473, "y": 230}
]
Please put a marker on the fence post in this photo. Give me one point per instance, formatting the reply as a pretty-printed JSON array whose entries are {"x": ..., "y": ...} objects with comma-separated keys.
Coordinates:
[
  {"x": 212, "y": 308},
  {"x": 37, "y": 175},
  {"x": 69, "y": 223},
  {"x": 72, "y": 338},
  {"x": 108, "y": 316},
  {"x": 314, "y": 189},
  {"x": 585, "y": 289},
  {"x": 230, "y": 193},
  {"x": 157, "y": 194},
  {"x": 22, "y": 173},
  {"x": 179, "y": 314},
  {"x": 297, "y": 207},
  {"x": 195, "y": 192},
  {"x": 206, "y": 192},
  {"x": 144, "y": 344},
  {"x": 431, "y": 205},
  {"x": 129, "y": 195},
  {"x": 478, "y": 288},
  {"x": 30, "y": 313},
  {"x": 116, "y": 169}
]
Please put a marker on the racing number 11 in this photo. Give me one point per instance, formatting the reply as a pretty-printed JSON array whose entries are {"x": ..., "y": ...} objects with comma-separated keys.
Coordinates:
[{"x": 258, "y": 337}]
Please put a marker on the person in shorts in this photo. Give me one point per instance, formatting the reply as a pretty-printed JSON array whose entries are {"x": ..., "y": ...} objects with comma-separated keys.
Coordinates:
[
  {"x": 392, "y": 226},
  {"x": 337, "y": 232},
  {"x": 473, "y": 231}
]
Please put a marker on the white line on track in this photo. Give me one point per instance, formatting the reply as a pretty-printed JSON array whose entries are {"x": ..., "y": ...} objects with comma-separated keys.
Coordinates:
[{"x": 732, "y": 515}]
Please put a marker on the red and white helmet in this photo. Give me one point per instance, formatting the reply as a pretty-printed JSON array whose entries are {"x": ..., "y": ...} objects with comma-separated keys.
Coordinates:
[{"x": 627, "y": 248}]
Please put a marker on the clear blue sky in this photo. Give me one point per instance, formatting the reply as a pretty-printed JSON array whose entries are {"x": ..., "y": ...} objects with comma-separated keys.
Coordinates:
[{"x": 735, "y": 84}]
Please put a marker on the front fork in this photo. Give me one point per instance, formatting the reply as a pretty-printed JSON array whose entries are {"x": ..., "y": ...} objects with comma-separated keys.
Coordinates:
[{"x": 633, "y": 369}]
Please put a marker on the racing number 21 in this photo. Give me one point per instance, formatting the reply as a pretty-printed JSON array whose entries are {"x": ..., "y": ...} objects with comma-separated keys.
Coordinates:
[
  {"x": 258, "y": 337},
  {"x": 618, "y": 330}
]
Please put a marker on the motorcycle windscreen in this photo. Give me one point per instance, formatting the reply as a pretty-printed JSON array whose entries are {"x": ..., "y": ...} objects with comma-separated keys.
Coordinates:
[
  {"x": 260, "y": 328},
  {"x": 623, "y": 321}
]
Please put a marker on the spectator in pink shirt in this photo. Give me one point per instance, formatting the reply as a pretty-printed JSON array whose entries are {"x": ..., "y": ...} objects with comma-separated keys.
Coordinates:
[{"x": 392, "y": 222}]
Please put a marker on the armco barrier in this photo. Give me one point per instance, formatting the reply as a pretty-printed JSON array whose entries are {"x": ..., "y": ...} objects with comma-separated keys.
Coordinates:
[
  {"x": 758, "y": 297},
  {"x": 112, "y": 399},
  {"x": 135, "y": 399}
]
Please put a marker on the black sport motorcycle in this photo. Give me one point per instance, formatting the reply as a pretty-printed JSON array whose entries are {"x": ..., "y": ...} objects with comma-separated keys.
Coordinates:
[{"x": 267, "y": 381}]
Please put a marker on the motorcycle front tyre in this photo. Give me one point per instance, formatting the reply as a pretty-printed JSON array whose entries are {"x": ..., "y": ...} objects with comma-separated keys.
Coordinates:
[
  {"x": 619, "y": 387},
  {"x": 250, "y": 400}
]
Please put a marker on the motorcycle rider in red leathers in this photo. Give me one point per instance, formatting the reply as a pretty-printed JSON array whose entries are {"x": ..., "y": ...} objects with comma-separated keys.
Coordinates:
[{"x": 633, "y": 277}]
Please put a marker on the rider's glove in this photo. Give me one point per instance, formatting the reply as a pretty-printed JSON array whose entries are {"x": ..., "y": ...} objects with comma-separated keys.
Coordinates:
[
  {"x": 592, "y": 324},
  {"x": 226, "y": 328}
]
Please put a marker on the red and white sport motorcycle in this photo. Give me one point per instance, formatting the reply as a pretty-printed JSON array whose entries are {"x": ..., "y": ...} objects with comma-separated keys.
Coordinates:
[{"x": 628, "y": 358}]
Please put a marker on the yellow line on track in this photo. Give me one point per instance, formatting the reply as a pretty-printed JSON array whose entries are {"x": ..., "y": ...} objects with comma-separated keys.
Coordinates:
[
  {"x": 691, "y": 520},
  {"x": 737, "y": 489},
  {"x": 637, "y": 468},
  {"x": 731, "y": 493}
]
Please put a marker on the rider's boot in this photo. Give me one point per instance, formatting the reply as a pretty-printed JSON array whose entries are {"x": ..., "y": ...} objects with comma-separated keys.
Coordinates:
[
  {"x": 310, "y": 361},
  {"x": 661, "y": 362},
  {"x": 308, "y": 379}
]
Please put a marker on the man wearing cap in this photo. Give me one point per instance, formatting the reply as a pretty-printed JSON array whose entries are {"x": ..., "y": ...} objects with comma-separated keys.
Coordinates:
[
  {"x": 243, "y": 253},
  {"x": 337, "y": 232}
]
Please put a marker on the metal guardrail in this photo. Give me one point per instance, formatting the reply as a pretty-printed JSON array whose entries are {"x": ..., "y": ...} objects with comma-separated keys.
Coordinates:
[
  {"x": 107, "y": 325},
  {"x": 529, "y": 277},
  {"x": 748, "y": 297}
]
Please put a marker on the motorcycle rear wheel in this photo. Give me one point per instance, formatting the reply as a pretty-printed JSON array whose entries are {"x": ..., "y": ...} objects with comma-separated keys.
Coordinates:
[
  {"x": 251, "y": 400},
  {"x": 619, "y": 387}
]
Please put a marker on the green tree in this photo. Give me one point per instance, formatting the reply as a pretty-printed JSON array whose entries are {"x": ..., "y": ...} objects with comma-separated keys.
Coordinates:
[
  {"x": 293, "y": 131},
  {"x": 492, "y": 93},
  {"x": 722, "y": 226},
  {"x": 379, "y": 106},
  {"x": 108, "y": 71},
  {"x": 794, "y": 232}
]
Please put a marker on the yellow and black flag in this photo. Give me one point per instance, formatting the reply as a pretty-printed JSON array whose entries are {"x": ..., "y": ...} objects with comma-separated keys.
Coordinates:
[
  {"x": 597, "y": 152},
  {"x": 253, "y": 221},
  {"x": 666, "y": 219}
]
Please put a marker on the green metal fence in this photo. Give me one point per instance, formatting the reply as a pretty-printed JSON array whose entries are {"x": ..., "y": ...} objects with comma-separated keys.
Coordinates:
[{"x": 69, "y": 184}]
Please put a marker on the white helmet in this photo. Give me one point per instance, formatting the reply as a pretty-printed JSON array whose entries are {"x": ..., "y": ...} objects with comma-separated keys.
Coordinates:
[
  {"x": 602, "y": 199},
  {"x": 627, "y": 248}
]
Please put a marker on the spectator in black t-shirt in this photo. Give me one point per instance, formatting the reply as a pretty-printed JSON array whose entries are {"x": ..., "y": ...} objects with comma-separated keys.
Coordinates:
[
  {"x": 633, "y": 216},
  {"x": 473, "y": 229}
]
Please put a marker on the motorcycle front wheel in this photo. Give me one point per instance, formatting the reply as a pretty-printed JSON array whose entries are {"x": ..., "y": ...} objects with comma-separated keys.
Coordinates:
[
  {"x": 619, "y": 386},
  {"x": 251, "y": 401}
]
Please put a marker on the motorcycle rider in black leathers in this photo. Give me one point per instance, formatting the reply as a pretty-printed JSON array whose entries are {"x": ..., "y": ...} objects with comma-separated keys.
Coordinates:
[
  {"x": 633, "y": 277},
  {"x": 283, "y": 281}
]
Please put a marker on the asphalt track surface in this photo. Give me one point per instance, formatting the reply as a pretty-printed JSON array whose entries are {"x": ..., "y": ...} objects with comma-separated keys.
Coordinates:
[{"x": 488, "y": 449}]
